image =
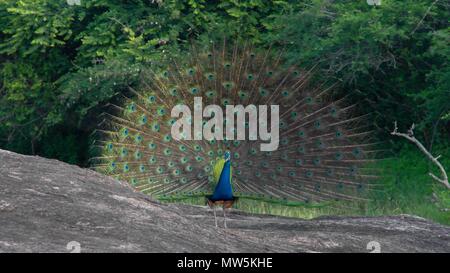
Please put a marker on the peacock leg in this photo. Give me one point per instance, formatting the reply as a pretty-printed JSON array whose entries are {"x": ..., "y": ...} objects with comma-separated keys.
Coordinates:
[
  {"x": 215, "y": 218},
  {"x": 224, "y": 218}
]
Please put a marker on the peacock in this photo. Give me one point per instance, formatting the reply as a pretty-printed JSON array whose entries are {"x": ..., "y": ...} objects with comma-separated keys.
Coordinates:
[{"x": 322, "y": 146}]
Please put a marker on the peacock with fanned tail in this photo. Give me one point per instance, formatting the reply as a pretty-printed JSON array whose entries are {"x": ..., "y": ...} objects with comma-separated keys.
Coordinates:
[{"x": 323, "y": 151}]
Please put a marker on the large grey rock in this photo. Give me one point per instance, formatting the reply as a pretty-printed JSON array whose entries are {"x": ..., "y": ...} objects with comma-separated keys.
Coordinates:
[{"x": 49, "y": 206}]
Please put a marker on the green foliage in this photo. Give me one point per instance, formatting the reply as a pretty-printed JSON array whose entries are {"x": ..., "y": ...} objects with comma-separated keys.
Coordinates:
[
  {"x": 435, "y": 97},
  {"x": 395, "y": 57},
  {"x": 409, "y": 189},
  {"x": 65, "y": 145},
  {"x": 60, "y": 64}
]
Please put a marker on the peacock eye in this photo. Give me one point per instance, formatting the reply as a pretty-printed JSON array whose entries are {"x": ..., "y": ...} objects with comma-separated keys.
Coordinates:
[{"x": 190, "y": 71}]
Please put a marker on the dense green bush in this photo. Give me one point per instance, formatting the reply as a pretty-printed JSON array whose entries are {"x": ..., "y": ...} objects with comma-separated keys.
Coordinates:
[
  {"x": 60, "y": 64},
  {"x": 395, "y": 57}
]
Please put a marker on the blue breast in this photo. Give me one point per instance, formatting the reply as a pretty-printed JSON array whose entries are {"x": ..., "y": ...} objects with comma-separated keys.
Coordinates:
[{"x": 223, "y": 190}]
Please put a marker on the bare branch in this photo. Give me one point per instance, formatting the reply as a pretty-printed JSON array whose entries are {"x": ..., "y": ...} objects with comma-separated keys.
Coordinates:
[
  {"x": 410, "y": 136},
  {"x": 423, "y": 18}
]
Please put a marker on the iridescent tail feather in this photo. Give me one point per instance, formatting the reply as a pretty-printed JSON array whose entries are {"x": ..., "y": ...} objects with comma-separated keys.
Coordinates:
[{"x": 326, "y": 147}]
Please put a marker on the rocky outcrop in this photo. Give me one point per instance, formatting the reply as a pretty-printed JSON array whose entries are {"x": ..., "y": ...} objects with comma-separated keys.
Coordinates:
[{"x": 50, "y": 206}]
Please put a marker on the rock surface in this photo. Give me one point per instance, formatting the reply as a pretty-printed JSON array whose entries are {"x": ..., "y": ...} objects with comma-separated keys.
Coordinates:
[{"x": 50, "y": 206}]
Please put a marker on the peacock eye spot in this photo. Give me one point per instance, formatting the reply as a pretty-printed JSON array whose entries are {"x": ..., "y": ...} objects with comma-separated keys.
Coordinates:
[
  {"x": 228, "y": 85},
  {"x": 357, "y": 152}
]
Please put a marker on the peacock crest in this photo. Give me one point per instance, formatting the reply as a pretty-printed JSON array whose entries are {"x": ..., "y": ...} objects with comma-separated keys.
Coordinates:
[{"x": 323, "y": 149}]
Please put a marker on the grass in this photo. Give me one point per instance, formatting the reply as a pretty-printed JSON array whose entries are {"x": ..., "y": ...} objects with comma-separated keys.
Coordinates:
[
  {"x": 409, "y": 189},
  {"x": 406, "y": 189}
]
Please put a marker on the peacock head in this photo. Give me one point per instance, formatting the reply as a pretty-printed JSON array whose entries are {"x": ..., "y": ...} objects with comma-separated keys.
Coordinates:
[{"x": 227, "y": 156}]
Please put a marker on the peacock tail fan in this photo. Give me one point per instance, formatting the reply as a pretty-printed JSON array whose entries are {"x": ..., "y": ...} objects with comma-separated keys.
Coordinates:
[{"x": 325, "y": 148}]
